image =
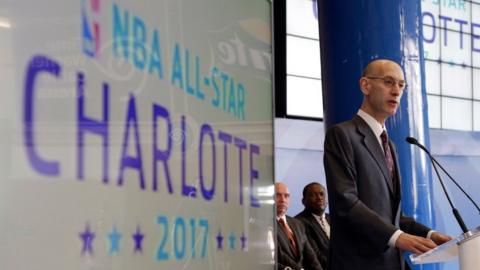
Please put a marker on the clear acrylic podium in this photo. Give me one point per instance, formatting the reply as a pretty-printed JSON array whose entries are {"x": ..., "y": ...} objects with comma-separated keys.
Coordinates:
[{"x": 466, "y": 247}]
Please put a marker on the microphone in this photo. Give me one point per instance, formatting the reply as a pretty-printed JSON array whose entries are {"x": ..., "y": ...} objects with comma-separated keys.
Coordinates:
[{"x": 459, "y": 219}]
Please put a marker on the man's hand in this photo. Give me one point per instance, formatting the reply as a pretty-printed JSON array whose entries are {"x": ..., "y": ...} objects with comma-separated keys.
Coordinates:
[
  {"x": 440, "y": 238},
  {"x": 414, "y": 244}
]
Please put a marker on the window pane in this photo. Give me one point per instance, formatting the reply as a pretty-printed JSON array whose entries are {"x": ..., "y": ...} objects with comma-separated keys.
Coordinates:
[
  {"x": 453, "y": 11},
  {"x": 304, "y": 97},
  {"x": 476, "y": 13},
  {"x": 303, "y": 57},
  {"x": 432, "y": 77},
  {"x": 433, "y": 111},
  {"x": 476, "y": 84},
  {"x": 456, "y": 47},
  {"x": 476, "y": 116},
  {"x": 475, "y": 38},
  {"x": 302, "y": 18},
  {"x": 456, "y": 114},
  {"x": 430, "y": 12},
  {"x": 456, "y": 81},
  {"x": 431, "y": 45}
]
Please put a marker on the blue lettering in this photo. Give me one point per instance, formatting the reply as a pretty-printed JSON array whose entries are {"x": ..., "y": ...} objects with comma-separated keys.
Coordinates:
[
  {"x": 424, "y": 15},
  {"x": 461, "y": 23},
  {"x": 158, "y": 154},
  {"x": 231, "y": 99},
  {"x": 216, "y": 99},
  {"x": 189, "y": 89},
  {"x": 120, "y": 31},
  {"x": 177, "y": 76},
  {"x": 207, "y": 130},
  {"x": 189, "y": 191},
  {"x": 86, "y": 124},
  {"x": 199, "y": 92},
  {"x": 241, "y": 101},
  {"x": 139, "y": 39},
  {"x": 445, "y": 20},
  {"x": 156, "y": 56},
  {"x": 254, "y": 150},
  {"x": 128, "y": 161},
  {"x": 37, "y": 65},
  {"x": 475, "y": 37},
  {"x": 226, "y": 139},
  {"x": 224, "y": 89},
  {"x": 241, "y": 145}
]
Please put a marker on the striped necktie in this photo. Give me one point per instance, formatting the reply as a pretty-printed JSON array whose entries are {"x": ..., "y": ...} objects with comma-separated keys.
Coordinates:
[{"x": 290, "y": 235}]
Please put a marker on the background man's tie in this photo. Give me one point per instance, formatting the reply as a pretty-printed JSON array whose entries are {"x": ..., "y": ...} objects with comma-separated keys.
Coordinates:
[{"x": 290, "y": 235}]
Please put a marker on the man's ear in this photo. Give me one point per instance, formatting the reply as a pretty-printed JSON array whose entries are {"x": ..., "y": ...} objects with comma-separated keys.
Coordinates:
[{"x": 364, "y": 86}]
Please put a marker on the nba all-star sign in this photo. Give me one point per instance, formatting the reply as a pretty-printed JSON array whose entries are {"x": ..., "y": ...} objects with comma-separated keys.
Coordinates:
[{"x": 136, "y": 135}]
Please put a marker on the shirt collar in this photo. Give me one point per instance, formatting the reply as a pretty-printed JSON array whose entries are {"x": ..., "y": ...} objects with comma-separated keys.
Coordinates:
[{"x": 376, "y": 127}]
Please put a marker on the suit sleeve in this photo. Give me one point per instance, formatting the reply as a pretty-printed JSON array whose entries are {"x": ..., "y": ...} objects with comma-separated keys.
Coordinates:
[
  {"x": 339, "y": 161},
  {"x": 409, "y": 225}
]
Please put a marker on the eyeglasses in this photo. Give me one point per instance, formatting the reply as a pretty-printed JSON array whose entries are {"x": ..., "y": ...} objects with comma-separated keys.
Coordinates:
[{"x": 391, "y": 82}]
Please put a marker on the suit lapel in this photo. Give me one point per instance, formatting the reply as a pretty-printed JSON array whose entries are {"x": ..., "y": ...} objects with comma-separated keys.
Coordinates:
[
  {"x": 317, "y": 226},
  {"x": 374, "y": 148}
]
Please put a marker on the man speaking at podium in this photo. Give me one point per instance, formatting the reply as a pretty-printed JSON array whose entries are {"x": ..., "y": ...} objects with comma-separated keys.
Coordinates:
[{"x": 368, "y": 230}]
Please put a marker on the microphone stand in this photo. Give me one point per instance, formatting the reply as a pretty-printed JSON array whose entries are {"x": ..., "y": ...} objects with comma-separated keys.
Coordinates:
[{"x": 457, "y": 215}]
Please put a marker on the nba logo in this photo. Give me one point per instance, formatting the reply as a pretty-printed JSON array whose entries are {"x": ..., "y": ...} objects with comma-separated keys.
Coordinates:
[{"x": 91, "y": 27}]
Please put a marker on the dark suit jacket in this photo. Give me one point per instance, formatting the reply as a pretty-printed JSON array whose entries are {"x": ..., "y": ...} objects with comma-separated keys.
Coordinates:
[
  {"x": 285, "y": 254},
  {"x": 317, "y": 238},
  {"x": 364, "y": 206}
]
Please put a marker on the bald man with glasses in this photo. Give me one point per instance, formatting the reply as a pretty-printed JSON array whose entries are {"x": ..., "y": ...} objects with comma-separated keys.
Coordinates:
[{"x": 368, "y": 230}]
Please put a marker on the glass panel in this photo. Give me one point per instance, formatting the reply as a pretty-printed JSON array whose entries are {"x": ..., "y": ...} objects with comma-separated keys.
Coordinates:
[
  {"x": 456, "y": 47},
  {"x": 303, "y": 57},
  {"x": 476, "y": 13},
  {"x": 432, "y": 77},
  {"x": 433, "y": 111},
  {"x": 302, "y": 18},
  {"x": 455, "y": 13},
  {"x": 431, "y": 43},
  {"x": 476, "y": 84},
  {"x": 456, "y": 81},
  {"x": 475, "y": 38},
  {"x": 430, "y": 12},
  {"x": 304, "y": 97},
  {"x": 476, "y": 116},
  {"x": 452, "y": 109}
]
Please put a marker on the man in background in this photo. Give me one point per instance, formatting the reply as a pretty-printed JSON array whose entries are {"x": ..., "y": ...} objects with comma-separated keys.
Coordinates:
[
  {"x": 293, "y": 249},
  {"x": 316, "y": 221}
]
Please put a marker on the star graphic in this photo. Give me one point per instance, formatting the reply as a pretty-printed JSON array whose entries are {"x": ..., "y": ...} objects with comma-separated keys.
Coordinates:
[
  {"x": 114, "y": 236},
  {"x": 243, "y": 238},
  {"x": 87, "y": 237},
  {"x": 219, "y": 241},
  {"x": 138, "y": 238},
  {"x": 231, "y": 241}
]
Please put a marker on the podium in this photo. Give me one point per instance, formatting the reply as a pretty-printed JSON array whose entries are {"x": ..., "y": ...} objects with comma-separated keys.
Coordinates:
[{"x": 466, "y": 247}]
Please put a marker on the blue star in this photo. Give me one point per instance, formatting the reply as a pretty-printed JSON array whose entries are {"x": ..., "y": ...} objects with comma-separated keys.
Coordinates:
[
  {"x": 114, "y": 238},
  {"x": 87, "y": 237},
  {"x": 231, "y": 240},
  {"x": 138, "y": 238},
  {"x": 243, "y": 238},
  {"x": 219, "y": 241}
]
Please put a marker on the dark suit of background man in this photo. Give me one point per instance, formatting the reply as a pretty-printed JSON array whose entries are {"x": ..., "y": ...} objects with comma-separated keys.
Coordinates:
[
  {"x": 363, "y": 182},
  {"x": 297, "y": 255},
  {"x": 316, "y": 221}
]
